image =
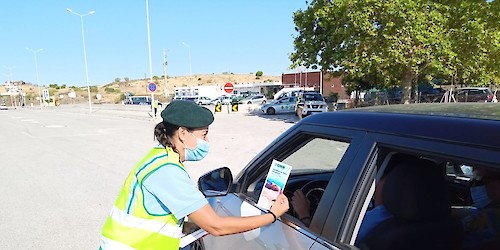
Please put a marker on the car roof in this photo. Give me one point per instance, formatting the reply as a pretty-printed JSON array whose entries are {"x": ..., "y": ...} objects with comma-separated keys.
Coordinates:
[
  {"x": 469, "y": 123},
  {"x": 482, "y": 88}
]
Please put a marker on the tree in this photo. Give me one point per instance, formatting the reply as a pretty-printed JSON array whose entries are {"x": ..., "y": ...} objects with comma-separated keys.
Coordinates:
[
  {"x": 384, "y": 43},
  {"x": 126, "y": 79},
  {"x": 259, "y": 74},
  {"x": 474, "y": 34},
  {"x": 117, "y": 79}
]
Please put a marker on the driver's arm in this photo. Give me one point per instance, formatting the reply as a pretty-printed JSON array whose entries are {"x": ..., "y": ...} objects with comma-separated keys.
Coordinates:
[{"x": 302, "y": 207}]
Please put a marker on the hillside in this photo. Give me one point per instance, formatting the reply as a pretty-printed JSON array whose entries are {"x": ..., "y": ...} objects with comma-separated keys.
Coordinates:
[{"x": 111, "y": 93}]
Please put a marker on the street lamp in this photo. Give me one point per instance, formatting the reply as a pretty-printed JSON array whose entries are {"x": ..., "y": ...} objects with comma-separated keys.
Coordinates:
[
  {"x": 150, "y": 62},
  {"x": 84, "y": 52},
  {"x": 37, "y": 78},
  {"x": 189, "y": 51}
]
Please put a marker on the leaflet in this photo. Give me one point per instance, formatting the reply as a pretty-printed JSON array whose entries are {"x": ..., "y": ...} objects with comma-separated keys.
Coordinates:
[{"x": 274, "y": 184}]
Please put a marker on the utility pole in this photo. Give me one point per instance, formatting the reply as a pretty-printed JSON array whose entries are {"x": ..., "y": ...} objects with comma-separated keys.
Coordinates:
[{"x": 165, "y": 72}]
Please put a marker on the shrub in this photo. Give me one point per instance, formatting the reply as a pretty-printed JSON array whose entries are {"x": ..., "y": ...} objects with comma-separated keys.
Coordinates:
[{"x": 109, "y": 90}]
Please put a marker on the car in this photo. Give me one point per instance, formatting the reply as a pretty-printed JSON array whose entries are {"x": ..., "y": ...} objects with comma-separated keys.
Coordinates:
[
  {"x": 310, "y": 103},
  {"x": 283, "y": 105},
  {"x": 256, "y": 99},
  {"x": 202, "y": 100},
  {"x": 224, "y": 99},
  {"x": 473, "y": 95},
  {"x": 3, "y": 107},
  {"x": 337, "y": 158}
]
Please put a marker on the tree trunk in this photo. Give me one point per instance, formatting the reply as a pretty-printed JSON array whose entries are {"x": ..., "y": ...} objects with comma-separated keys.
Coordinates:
[{"x": 406, "y": 85}]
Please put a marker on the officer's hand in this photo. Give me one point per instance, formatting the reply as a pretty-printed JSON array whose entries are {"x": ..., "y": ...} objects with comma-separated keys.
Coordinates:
[{"x": 280, "y": 206}]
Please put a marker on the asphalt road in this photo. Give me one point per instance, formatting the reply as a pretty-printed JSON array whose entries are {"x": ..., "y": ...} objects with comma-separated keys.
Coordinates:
[{"x": 62, "y": 168}]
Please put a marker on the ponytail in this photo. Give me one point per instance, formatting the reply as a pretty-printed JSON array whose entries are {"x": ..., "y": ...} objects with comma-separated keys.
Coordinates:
[{"x": 163, "y": 133}]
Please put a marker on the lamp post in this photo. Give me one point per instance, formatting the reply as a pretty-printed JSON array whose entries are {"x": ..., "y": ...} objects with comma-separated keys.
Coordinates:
[
  {"x": 37, "y": 78},
  {"x": 150, "y": 61},
  {"x": 189, "y": 51},
  {"x": 84, "y": 52}
]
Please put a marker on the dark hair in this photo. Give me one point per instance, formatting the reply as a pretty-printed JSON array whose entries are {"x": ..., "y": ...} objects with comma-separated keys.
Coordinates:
[{"x": 163, "y": 133}]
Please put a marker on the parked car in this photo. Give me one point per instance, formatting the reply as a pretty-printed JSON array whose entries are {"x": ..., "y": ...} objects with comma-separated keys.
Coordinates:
[
  {"x": 3, "y": 107},
  {"x": 283, "y": 105},
  {"x": 224, "y": 99},
  {"x": 256, "y": 99},
  {"x": 338, "y": 157},
  {"x": 473, "y": 95},
  {"x": 202, "y": 100},
  {"x": 309, "y": 103}
]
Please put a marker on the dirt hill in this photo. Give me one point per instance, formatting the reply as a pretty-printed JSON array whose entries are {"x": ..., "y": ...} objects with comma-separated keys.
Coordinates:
[{"x": 113, "y": 92}]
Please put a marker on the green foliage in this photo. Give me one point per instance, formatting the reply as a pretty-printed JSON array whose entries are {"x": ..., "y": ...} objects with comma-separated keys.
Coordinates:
[
  {"x": 117, "y": 79},
  {"x": 126, "y": 79},
  {"x": 333, "y": 97},
  {"x": 110, "y": 90},
  {"x": 93, "y": 89},
  {"x": 155, "y": 78},
  {"x": 122, "y": 96},
  {"x": 259, "y": 74},
  {"x": 384, "y": 44}
]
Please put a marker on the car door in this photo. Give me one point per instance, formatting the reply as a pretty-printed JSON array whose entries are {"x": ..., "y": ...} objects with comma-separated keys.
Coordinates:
[
  {"x": 348, "y": 208},
  {"x": 284, "y": 105},
  {"x": 319, "y": 156}
]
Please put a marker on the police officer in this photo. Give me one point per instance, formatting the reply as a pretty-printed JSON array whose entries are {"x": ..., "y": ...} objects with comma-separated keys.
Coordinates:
[{"x": 158, "y": 193}]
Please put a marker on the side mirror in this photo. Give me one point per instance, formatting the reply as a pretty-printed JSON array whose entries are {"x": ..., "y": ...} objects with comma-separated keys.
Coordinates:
[{"x": 216, "y": 182}]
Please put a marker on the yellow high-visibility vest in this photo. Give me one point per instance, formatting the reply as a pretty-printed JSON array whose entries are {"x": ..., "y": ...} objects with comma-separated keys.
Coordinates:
[{"x": 129, "y": 225}]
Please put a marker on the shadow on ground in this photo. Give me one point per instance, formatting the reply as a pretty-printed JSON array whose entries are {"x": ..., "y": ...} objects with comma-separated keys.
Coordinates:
[{"x": 287, "y": 117}]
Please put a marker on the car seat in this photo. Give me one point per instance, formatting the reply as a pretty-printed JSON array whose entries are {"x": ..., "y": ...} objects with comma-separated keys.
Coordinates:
[{"x": 415, "y": 194}]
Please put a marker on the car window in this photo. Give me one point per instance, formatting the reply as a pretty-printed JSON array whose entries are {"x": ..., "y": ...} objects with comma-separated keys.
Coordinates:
[
  {"x": 313, "y": 163},
  {"x": 318, "y": 155},
  {"x": 313, "y": 97}
]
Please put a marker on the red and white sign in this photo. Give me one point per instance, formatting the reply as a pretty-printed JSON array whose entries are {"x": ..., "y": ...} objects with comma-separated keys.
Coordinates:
[{"x": 228, "y": 87}]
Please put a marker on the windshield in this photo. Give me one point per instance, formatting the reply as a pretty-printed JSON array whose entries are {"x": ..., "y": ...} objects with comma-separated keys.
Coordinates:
[{"x": 313, "y": 97}]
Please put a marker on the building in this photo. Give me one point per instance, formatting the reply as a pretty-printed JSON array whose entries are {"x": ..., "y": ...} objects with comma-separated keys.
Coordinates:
[
  {"x": 323, "y": 83},
  {"x": 214, "y": 91}
]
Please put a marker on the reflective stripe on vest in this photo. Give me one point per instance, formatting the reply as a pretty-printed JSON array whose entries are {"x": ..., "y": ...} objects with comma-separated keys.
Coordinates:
[{"x": 129, "y": 223}]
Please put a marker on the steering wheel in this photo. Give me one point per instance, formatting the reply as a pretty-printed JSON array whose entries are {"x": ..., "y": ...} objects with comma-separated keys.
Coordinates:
[{"x": 313, "y": 190}]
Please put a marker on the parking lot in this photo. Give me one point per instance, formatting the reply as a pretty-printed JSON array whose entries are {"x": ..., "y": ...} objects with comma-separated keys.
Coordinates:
[{"x": 63, "y": 167}]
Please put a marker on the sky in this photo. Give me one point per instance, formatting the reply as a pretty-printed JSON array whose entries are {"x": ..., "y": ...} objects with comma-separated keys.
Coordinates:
[{"x": 198, "y": 37}]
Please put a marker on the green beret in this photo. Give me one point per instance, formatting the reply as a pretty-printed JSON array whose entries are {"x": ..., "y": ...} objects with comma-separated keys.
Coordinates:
[{"x": 187, "y": 114}]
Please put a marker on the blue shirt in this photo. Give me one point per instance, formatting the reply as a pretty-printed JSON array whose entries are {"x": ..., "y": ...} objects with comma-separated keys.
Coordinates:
[
  {"x": 482, "y": 226},
  {"x": 372, "y": 219},
  {"x": 169, "y": 189}
]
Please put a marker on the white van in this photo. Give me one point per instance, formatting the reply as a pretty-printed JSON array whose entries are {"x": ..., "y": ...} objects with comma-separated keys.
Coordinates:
[{"x": 289, "y": 92}]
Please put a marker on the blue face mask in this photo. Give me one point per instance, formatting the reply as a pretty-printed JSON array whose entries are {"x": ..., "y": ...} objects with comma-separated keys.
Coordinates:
[
  {"x": 479, "y": 196},
  {"x": 197, "y": 153}
]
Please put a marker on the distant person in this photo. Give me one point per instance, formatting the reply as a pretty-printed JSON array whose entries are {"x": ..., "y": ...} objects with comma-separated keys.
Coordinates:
[
  {"x": 155, "y": 106},
  {"x": 158, "y": 193}
]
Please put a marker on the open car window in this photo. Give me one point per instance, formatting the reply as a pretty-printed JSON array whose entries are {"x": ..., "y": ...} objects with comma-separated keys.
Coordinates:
[{"x": 314, "y": 159}]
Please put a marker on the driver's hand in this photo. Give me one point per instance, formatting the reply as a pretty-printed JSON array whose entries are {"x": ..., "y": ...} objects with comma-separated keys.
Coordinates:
[{"x": 300, "y": 204}]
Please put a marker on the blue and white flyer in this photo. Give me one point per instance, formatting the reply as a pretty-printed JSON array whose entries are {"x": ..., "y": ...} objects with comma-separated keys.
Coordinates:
[{"x": 274, "y": 184}]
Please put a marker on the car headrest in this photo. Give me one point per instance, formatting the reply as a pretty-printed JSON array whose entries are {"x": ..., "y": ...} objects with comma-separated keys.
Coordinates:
[{"x": 415, "y": 190}]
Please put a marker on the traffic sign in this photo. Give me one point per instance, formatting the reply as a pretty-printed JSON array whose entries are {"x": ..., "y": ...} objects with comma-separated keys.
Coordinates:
[
  {"x": 218, "y": 107},
  {"x": 152, "y": 87},
  {"x": 228, "y": 87}
]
